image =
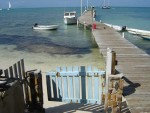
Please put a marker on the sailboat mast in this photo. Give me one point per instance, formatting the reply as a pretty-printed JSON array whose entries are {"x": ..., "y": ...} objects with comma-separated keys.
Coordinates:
[
  {"x": 104, "y": 4},
  {"x": 81, "y": 7},
  {"x": 87, "y": 4},
  {"x": 108, "y": 3}
]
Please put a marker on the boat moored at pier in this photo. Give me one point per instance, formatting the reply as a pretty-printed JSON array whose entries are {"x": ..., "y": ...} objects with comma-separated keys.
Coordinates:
[{"x": 70, "y": 18}]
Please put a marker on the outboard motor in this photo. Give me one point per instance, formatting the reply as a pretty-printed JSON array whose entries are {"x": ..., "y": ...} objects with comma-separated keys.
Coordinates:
[
  {"x": 124, "y": 28},
  {"x": 36, "y": 24},
  {"x": 1, "y": 72}
]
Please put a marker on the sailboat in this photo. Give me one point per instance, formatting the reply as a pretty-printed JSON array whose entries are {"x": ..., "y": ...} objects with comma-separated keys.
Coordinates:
[
  {"x": 9, "y": 5},
  {"x": 106, "y": 6}
]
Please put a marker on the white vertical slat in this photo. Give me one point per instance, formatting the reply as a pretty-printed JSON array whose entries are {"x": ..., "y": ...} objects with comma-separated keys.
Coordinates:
[
  {"x": 80, "y": 87},
  {"x": 92, "y": 87},
  {"x": 62, "y": 86},
  {"x": 52, "y": 92},
  {"x": 99, "y": 87},
  {"x": 86, "y": 82},
  {"x": 74, "y": 88},
  {"x": 56, "y": 78},
  {"x": 68, "y": 87}
]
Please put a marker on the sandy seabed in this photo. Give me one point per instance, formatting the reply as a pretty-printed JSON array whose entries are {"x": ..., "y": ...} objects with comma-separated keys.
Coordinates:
[
  {"x": 48, "y": 62},
  {"x": 45, "y": 62}
]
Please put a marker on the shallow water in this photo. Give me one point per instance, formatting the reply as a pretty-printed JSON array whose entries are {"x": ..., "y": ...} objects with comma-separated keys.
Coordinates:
[
  {"x": 67, "y": 46},
  {"x": 45, "y": 50}
]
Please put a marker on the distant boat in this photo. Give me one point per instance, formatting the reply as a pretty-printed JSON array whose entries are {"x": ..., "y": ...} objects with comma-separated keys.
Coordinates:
[
  {"x": 70, "y": 18},
  {"x": 44, "y": 27},
  {"x": 106, "y": 5},
  {"x": 1, "y": 9},
  {"x": 9, "y": 5}
]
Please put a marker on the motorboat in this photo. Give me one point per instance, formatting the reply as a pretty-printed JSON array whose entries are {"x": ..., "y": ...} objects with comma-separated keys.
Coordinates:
[
  {"x": 116, "y": 27},
  {"x": 44, "y": 27},
  {"x": 70, "y": 18},
  {"x": 141, "y": 33},
  {"x": 138, "y": 32},
  {"x": 145, "y": 37}
]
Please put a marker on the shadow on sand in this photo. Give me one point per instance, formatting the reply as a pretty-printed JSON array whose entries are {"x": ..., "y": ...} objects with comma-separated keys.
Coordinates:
[{"x": 87, "y": 108}]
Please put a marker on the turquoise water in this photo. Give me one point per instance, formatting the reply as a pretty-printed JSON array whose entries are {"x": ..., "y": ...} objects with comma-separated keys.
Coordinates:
[
  {"x": 138, "y": 18},
  {"x": 15, "y": 29},
  {"x": 45, "y": 50}
]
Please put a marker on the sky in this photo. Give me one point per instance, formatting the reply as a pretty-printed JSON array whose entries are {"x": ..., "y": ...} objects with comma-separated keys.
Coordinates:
[{"x": 72, "y": 3}]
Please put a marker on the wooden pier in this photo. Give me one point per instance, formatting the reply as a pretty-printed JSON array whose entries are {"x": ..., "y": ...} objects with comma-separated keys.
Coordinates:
[{"x": 132, "y": 62}]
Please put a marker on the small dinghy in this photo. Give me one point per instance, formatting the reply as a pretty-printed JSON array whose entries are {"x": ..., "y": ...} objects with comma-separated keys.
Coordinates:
[{"x": 45, "y": 27}]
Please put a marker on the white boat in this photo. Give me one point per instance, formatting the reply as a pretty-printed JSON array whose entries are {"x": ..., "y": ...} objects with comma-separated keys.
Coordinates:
[
  {"x": 106, "y": 6},
  {"x": 138, "y": 32},
  {"x": 70, "y": 18},
  {"x": 145, "y": 37},
  {"x": 141, "y": 33},
  {"x": 45, "y": 27},
  {"x": 9, "y": 5},
  {"x": 1, "y": 9},
  {"x": 116, "y": 27}
]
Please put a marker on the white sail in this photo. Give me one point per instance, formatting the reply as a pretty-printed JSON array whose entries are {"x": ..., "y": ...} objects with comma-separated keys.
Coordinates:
[{"x": 9, "y": 5}]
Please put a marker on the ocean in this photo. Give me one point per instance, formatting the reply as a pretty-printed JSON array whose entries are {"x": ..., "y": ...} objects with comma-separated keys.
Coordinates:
[
  {"x": 69, "y": 45},
  {"x": 132, "y": 17}
]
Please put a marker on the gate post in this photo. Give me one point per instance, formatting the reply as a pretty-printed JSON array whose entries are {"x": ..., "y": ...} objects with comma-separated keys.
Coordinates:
[
  {"x": 110, "y": 69},
  {"x": 36, "y": 91}
]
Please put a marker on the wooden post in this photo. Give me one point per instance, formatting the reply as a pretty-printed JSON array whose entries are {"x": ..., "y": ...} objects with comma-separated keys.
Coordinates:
[
  {"x": 84, "y": 25},
  {"x": 36, "y": 91},
  {"x": 123, "y": 34},
  {"x": 110, "y": 69},
  {"x": 108, "y": 72},
  {"x": 113, "y": 70}
]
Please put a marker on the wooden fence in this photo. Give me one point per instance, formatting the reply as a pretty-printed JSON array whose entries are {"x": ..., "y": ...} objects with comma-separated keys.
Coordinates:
[{"x": 31, "y": 83}]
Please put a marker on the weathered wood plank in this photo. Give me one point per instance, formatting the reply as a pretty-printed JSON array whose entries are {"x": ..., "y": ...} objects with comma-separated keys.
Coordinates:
[{"x": 132, "y": 61}]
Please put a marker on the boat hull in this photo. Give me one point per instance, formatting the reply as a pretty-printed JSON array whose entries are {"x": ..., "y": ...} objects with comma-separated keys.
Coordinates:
[
  {"x": 106, "y": 7},
  {"x": 138, "y": 31},
  {"x": 44, "y": 27},
  {"x": 70, "y": 21},
  {"x": 145, "y": 37}
]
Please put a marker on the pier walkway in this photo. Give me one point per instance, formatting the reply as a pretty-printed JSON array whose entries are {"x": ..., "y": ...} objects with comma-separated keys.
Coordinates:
[{"x": 132, "y": 62}]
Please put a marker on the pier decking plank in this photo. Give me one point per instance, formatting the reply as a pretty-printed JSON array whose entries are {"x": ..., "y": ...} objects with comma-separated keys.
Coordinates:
[{"x": 132, "y": 62}]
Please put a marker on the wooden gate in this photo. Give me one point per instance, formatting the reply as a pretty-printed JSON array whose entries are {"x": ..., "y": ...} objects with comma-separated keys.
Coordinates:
[{"x": 75, "y": 84}]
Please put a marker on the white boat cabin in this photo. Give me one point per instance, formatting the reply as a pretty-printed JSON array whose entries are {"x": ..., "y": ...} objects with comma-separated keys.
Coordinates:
[{"x": 70, "y": 14}]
